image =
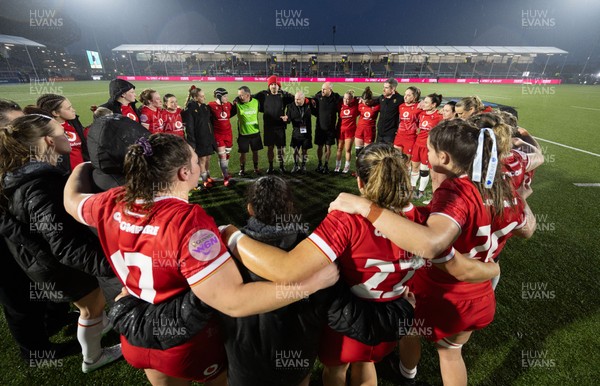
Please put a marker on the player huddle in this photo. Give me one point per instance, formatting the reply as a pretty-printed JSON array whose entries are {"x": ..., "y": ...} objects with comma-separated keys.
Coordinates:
[{"x": 257, "y": 305}]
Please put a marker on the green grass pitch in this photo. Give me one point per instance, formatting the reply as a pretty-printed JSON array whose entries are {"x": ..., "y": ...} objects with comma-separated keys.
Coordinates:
[{"x": 547, "y": 325}]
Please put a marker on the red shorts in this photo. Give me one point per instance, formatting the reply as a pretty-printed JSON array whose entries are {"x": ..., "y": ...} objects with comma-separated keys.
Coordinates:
[
  {"x": 405, "y": 140},
  {"x": 346, "y": 134},
  {"x": 419, "y": 154},
  {"x": 336, "y": 349},
  {"x": 366, "y": 133},
  {"x": 224, "y": 139},
  {"x": 439, "y": 315},
  {"x": 201, "y": 359}
]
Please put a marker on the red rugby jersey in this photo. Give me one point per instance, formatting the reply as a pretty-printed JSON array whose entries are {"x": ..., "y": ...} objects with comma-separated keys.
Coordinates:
[
  {"x": 368, "y": 116},
  {"x": 127, "y": 111},
  {"x": 409, "y": 117},
  {"x": 152, "y": 118},
  {"x": 76, "y": 155},
  {"x": 220, "y": 115},
  {"x": 426, "y": 123},
  {"x": 173, "y": 124},
  {"x": 348, "y": 115},
  {"x": 157, "y": 256},
  {"x": 374, "y": 268}
]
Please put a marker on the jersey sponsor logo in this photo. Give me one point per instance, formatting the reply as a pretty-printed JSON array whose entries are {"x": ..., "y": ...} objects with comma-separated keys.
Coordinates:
[
  {"x": 405, "y": 114},
  {"x": 135, "y": 229},
  {"x": 367, "y": 115},
  {"x": 346, "y": 112},
  {"x": 72, "y": 137},
  {"x": 210, "y": 370},
  {"x": 204, "y": 245},
  {"x": 132, "y": 116},
  {"x": 223, "y": 115}
]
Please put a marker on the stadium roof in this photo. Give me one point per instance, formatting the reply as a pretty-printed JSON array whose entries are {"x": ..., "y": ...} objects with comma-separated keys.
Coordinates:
[
  {"x": 342, "y": 49},
  {"x": 18, "y": 41}
]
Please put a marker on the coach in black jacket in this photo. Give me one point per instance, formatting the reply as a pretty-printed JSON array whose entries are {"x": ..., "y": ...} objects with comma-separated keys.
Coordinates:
[
  {"x": 272, "y": 103},
  {"x": 389, "y": 115},
  {"x": 326, "y": 104}
]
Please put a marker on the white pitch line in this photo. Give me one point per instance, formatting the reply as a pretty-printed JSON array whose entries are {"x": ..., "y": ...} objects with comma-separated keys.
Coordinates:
[
  {"x": 586, "y": 185},
  {"x": 585, "y": 108},
  {"x": 568, "y": 147}
]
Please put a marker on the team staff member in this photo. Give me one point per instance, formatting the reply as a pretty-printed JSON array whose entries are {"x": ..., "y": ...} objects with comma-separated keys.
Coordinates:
[
  {"x": 299, "y": 115},
  {"x": 221, "y": 111},
  {"x": 61, "y": 109},
  {"x": 122, "y": 99},
  {"x": 326, "y": 104},
  {"x": 272, "y": 103},
  {"x": 248, "y": 128},
  {"x": 388, "y": 102}
]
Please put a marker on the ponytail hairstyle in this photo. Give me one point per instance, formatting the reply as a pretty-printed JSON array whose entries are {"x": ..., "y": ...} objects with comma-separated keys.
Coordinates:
[
  {"x": 502, "y": 131},
  {"x": 150, "y": 167},
  {"x": 435, "y": 98},
  {"x": 416, "y": 92},
  {"x": 367, "y": 96},
  {"x": 471, "y": 102},
  {"x": 146, "y": 96},
  {"x": 271, "y": 199},
  {"x": 383, "y": 171},
  {"x": 19, "y": 143},
  {"x": 166, "y": 99},
  {"x": 459, "y": 139},
  {"x": 50, "y": 103},
  {"x": 192, "y": 94}
]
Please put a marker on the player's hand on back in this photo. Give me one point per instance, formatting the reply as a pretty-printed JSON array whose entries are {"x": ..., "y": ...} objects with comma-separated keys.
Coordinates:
[{"x": 349, "y": 203}]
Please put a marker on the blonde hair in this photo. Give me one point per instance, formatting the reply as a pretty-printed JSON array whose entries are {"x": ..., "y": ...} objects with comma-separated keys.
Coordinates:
[{"x": 383, "y": 171}]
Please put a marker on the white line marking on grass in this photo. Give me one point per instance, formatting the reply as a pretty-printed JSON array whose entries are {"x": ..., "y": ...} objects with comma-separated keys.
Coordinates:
[
  {"x": 586, "y": 185},
  {"x": 494, "y": 96},
  {"x": 568, "y": 147},
  {"x": 585, "y": 108}
]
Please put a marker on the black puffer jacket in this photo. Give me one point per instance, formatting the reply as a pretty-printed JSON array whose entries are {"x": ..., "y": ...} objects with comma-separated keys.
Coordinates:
[{"x": 45, "y": 237}]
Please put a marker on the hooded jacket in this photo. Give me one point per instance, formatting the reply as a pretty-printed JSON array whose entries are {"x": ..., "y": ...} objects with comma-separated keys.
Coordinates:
[{"x": 45, "y": 240}]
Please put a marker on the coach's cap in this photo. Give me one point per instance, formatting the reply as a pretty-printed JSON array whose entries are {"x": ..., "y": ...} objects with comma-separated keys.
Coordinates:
[
  {"x": 118, "y": 87},
  {"x": 220, "y": 92},
  {"x": 273, "y": 79},
  {"x": 108, "y": 140}
]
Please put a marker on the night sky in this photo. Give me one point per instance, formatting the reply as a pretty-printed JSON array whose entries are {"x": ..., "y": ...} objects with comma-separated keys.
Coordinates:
[{"x": 572, "y": 25}]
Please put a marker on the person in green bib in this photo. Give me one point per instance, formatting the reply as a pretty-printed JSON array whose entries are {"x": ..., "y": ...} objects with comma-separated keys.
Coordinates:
[{"x": 248, "y": 129}]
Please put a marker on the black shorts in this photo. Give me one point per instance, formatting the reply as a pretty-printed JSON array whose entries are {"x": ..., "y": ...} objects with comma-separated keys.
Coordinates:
[
  {"x": 385, "y": 139},
  {"x": 206, "y": 150},
  {"x": 251, "y": 141},
  {"x": 275, "y": 136},
  {"x": 303, "y": 142},
  {"x": 325, "y": 137}
]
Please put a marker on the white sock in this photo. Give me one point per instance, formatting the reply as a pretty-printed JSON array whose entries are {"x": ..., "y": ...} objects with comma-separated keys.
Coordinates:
[
  {"x": 408, "y": 373},
  {"x": 414, "y": 177},
  {"x": 204, "y": 176},
  {"x": 346, "y": 164},
  {"x": 423, "y": 183},
  {"x": 89, "y": 335},
  {"x": 338, "y": 164},
  {"x": 224, "y": 164}
]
